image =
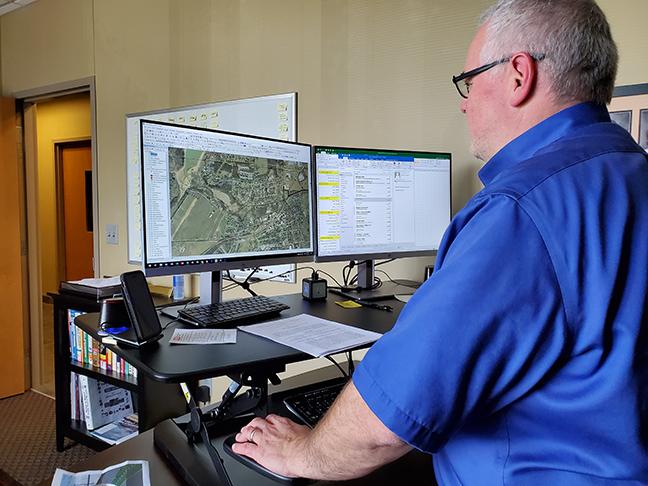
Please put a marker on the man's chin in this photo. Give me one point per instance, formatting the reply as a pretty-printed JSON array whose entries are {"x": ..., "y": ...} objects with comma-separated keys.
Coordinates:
[{"x": 478, "y": 153}]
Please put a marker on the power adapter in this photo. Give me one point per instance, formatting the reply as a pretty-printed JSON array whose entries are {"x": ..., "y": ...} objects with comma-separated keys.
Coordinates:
[{"x": 314, "y": 288}]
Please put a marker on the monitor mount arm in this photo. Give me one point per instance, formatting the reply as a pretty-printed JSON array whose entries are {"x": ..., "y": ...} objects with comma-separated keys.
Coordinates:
[
  {"x": 254, "y": 400},
  {"x": 197, "y": 430}
]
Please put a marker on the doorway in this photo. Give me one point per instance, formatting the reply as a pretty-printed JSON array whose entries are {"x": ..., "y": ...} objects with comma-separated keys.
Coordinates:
[
  {"x": 60, "y": 160},
  {"x": 74, "y": 209}
]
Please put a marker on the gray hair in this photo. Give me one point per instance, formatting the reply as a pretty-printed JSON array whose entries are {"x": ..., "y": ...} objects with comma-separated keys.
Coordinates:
[{"x": 574, "y": 36}]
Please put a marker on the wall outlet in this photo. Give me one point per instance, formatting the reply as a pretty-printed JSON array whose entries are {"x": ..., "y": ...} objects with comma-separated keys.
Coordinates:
[{"x": 112, "y": 234}]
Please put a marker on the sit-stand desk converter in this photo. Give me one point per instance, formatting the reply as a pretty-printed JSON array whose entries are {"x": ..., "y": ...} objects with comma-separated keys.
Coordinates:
[
  {"x": 250, "y": 355},
  {"x": 413, "y": 468},
  {"x": 178, "y": 363}
]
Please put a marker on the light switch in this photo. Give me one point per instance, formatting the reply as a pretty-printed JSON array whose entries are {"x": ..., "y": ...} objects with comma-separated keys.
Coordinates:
[{"x": 112, "y": 234}]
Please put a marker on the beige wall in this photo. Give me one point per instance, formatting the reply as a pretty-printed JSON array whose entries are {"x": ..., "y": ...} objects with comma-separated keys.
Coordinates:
[
  {"x": 372, "y": 73},
  {"x": 62, "y": 120},
  {"x": 47, "y": 42}
]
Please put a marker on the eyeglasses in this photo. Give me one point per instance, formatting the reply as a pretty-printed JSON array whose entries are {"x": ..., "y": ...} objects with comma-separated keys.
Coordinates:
[{"x": 463, "y": 85}]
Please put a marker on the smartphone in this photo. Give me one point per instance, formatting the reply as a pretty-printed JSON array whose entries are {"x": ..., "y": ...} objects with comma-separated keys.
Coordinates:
[{"x": 140, "y": 307}]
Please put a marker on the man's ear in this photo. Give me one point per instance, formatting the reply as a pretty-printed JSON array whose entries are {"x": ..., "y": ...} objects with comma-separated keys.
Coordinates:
[{"x": 523, "y": 78}]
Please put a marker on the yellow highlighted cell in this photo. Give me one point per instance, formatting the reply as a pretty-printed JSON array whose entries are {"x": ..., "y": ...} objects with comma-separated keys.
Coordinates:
[
  {"x": 330, "y": 238},
  {"x": 330, "y": 198},
  {"x": 329, "y": 212},
  {"x": 329, "y": 172},
  {"x": 332, "y": 184}
]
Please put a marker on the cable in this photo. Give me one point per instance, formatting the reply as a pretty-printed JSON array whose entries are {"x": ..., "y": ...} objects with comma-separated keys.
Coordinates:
[
  {"x": 386, "y": 274},
  {"x": 191, "y": 301},
  {"x": 170, "y": 322},
  {"x": 346, "y": 272},
  {"x": 338, "y": 366},
  {"x": 376, "y": 283},
  {"x": 245, "y": 284},
  {"x": 350, "y": 363},
  {"x": 330, "y": 276},
  {"x": 384, "y": 262},
  {"x": 312, "y": 269}
]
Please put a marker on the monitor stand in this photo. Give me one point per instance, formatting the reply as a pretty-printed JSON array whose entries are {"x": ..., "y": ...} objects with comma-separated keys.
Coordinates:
[
  {"x": 211, "y": 292},
  {"x": 366, "y": 274},
  {"x": 211, "y": 287}
]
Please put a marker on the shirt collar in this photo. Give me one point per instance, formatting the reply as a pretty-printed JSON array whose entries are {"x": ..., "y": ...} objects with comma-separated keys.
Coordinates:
[{"x": 543, "y": 134}]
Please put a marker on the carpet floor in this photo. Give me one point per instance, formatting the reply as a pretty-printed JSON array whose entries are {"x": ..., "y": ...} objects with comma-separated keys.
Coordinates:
[{"x": 28, "y": 453}]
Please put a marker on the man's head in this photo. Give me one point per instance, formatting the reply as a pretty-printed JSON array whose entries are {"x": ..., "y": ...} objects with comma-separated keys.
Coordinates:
[{"x": 553, "y": 53}]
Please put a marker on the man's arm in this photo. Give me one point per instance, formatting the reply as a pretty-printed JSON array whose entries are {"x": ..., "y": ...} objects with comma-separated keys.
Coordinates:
[{"x": 350, "y": 441}]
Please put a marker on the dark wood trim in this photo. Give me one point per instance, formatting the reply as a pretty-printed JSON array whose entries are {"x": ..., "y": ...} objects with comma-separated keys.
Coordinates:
[{"x": 630, "y": 90}]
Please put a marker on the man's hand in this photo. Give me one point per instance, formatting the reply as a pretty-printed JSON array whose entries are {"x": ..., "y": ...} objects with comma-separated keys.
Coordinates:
[
  {"x": 349, "y": 442},
  {"x": 273, "y": 442}
]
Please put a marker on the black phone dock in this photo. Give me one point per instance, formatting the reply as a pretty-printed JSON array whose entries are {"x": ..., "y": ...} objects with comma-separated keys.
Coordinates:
[{"x": 193, "y": 444}]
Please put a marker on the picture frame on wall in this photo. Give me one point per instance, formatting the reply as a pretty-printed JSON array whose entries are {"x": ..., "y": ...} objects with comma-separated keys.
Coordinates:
[
  {"x": 643, "y": 129},
  {"x": 629, "y": 108},
  {"x": 623, "y": 119}
]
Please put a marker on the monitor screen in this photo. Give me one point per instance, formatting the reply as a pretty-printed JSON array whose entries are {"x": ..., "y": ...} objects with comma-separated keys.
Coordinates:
[
  {"x": 214, "y": 200},
  {"x": 380, "y": 203}
]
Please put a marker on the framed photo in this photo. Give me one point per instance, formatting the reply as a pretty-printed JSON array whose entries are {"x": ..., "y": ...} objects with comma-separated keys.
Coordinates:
[
  {"x": 643, "y": 129},
  {"x": 623, "y": 119},
  {"x": 629, "y": 108}
]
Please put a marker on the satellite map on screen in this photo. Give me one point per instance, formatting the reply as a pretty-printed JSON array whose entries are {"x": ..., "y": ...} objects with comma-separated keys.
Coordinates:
[{"x": 224, "y": 204}]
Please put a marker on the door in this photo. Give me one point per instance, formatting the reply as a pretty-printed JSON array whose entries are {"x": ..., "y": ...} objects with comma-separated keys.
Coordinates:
[
  {"x": 12, "y": 323},
  {"x": 74, "y": 160}
]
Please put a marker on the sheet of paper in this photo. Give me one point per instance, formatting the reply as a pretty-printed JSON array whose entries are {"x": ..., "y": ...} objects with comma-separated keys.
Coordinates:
[
  {"x": 98, "y": 282},
  {"x": 203, "y": 336},
  {"x": 135, "y": 473},
  {"x": 313, "y": 335}
]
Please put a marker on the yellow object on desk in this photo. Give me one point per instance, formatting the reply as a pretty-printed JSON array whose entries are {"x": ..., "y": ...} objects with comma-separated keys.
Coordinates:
[{"x": 348, "y": 304}]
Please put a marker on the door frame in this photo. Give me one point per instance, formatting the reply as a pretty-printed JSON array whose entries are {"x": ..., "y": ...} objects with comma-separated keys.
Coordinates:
[
  {"x": 29, "y": 99},
  {"x": 59, "y": 146}
]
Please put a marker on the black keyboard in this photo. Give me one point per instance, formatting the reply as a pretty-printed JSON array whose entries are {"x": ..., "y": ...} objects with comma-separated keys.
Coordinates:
[
  {"x": 232, "y": 312},
  {"x": 310, "y": 406}
]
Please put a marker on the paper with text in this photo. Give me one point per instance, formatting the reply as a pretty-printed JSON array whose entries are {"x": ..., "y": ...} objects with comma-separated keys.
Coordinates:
[
  {"x": 313, "y": 335},
  {"x": 203, "y": 336}
]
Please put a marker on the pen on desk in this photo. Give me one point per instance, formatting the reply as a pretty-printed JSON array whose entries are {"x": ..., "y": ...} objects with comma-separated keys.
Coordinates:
[{"x": 373, "y": 305}]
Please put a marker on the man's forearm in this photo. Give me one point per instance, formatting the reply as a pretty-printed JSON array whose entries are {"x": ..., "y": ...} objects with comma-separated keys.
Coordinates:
[{"x": 349, "y": 442}]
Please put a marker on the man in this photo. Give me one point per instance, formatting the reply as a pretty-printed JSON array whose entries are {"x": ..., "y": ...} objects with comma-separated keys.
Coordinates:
[{"x": 521, "y": 360}]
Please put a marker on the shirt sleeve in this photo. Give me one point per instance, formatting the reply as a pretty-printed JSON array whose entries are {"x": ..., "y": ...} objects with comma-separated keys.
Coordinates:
[{"x": 483, "y": 331}]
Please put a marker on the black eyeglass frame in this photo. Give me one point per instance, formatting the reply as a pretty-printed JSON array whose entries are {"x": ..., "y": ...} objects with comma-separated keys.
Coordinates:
[{"x": 481, "y": 69}]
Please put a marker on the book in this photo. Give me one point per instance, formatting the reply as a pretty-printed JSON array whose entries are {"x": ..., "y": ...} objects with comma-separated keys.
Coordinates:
[
  {"x": 98, "y": 288},
  {"x": 103, "y": 403},
  {"x": 118, "y": 431}
]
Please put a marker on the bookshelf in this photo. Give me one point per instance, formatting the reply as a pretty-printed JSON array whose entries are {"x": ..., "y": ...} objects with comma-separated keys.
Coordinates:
[{"x": 154, "y": 401}]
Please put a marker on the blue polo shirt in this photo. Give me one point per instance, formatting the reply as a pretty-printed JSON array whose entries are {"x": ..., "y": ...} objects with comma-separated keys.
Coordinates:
[{"x": 520, "y": 360}]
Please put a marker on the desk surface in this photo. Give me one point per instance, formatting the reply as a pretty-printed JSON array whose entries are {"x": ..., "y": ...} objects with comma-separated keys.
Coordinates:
[
  {"x": 177, "y": 363},
  {"x": 413, "y": 468}
]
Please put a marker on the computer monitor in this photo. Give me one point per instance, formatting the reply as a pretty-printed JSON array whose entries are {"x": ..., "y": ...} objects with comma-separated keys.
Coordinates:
[
  {"x": 375, "y": 204},
  {"x": 214, "y": 200}
]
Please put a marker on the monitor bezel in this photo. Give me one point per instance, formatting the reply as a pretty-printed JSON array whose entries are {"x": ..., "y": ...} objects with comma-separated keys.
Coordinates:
[
  {"x": 370, "y": 255},
  {"x": 228, "y": 263}
]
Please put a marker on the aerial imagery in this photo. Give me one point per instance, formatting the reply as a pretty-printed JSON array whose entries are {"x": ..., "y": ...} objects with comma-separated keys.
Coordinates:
[{"x": 226, "y": 204}]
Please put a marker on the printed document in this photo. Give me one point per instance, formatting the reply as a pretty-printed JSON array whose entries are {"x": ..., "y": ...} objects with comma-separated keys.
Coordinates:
[
  {"x": 131, "y": 473},
  {"x": 203, "y": 336},
  {"x": 313, "y": 335},
  {"x": 98, "y": 283}
]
